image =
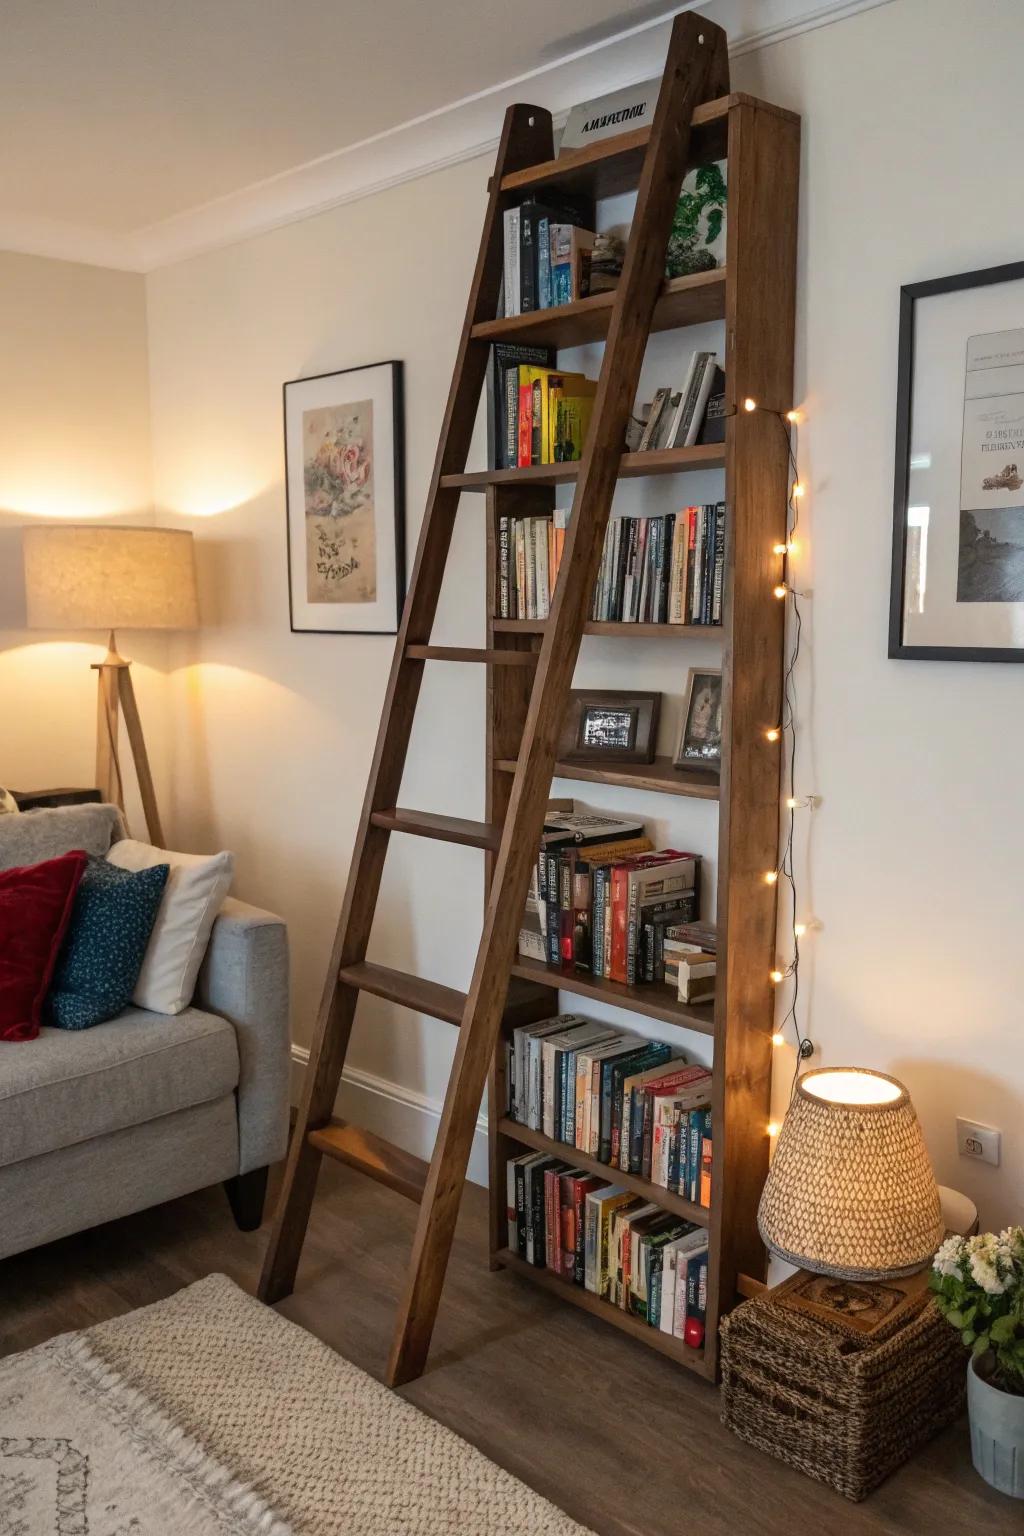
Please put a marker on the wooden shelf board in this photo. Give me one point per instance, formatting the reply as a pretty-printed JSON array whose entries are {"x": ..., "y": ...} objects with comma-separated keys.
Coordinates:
[
  {"x": 408, "y": 991},
  {"x": 577, "y": 1159},
  {"x": 632, "y": 466},
  {"x": 660, "y": 776},
  {"x": 612, "y": 166},
  {"x": 444, "y": 829},
  {"x": 684, "y": 301},
  {"x": 580, "y": 1297},
  {"x": 653, "y": 1000},
  {"x": 606, "y": 627}
]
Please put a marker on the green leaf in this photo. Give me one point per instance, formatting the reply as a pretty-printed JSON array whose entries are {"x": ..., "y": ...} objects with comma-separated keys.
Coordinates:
[
  {"x": 980, "y": 1344},
  {"x": 968, "y": 1336},
  {"x": 957, "y": 1318},
  {"x": 1003, "y": 1330}
]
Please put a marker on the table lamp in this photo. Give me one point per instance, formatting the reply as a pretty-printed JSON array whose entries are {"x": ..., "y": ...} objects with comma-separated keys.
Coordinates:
[
  {"x": 89, "y": 576},
  {"x": 851, "y": 1192}
]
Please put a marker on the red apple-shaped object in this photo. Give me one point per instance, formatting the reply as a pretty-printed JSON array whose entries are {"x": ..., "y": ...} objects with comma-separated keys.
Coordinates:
[{"x": 693, "y": 1332}]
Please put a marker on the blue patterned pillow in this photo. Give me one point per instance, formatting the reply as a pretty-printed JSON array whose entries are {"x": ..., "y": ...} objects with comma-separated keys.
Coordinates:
[{"x": 105, "y": 944}]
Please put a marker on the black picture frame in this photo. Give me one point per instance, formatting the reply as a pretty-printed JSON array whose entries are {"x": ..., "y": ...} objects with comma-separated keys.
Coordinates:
[
  {"x": 910, "y": 293},
  {"x": 686, "y": 755},
  {"x": 397, "y": 398}
]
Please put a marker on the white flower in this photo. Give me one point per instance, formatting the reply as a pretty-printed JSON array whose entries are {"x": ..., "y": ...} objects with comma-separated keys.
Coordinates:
[{"x": 947, "y": 1260}]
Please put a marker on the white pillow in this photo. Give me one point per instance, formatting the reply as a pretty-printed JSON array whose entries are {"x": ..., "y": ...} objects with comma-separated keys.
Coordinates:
[{"x": 196, "y": 887}]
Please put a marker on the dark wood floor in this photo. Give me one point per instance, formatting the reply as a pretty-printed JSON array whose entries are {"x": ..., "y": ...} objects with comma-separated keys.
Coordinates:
[{"x": 544, "y": 1390}]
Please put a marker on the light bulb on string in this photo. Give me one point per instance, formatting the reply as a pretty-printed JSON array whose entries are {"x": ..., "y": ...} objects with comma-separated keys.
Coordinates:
[
  {"x": 771, "y": 876},
  {"x": 780, "y": 590},
  {"x": 773, "y": 734},
  {"x": 749, "y": 404}
]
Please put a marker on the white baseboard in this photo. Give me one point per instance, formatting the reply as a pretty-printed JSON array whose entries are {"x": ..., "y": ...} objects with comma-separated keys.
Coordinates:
[{"x": 399, "y": 1114}]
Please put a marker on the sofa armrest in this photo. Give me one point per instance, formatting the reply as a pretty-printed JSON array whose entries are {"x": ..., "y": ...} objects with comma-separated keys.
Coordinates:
[{"x": 244, "y": 978}]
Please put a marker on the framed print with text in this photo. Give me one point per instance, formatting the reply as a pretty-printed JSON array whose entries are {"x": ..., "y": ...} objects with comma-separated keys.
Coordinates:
[
  {"x": 344, "y": 482},
  {"x": 958, "y": 512}
]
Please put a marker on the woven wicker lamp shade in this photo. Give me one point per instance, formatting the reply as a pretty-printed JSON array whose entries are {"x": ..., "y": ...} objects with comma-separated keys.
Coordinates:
[{"x": 851, "y": 1192}]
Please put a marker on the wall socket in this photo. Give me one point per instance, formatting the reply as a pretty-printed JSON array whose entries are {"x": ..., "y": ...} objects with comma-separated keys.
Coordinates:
[{"x": 980, "y": 1142}]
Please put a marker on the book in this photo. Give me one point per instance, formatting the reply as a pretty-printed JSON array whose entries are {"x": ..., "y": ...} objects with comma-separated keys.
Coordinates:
[
  {"x": 580, "y": 1185},
  {"x": 580, "y": 1033},
  {"x": 521, "y": 1038},
  {"x": 570, "y": 255},
  {"x": 674, "y": 1262},
  {"x": 505, "y": 358},
  {"x": 658, "y": 407},
  {"x": 686, "y": 1085},
  {"x": 600, "y": 1206},
  {"x": 632, "y": 1092},
  {"x": 510, "y": 271},
  {"x": 521, "y": 233},
  {"x": 712, "y": 428}
]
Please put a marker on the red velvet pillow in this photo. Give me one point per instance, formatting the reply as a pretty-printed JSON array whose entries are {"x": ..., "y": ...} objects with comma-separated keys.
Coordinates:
[{"x": 35, "y": 905}]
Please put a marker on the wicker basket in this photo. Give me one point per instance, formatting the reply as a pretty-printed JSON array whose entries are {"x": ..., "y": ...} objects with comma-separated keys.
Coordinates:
[{"x": 844, "y": 1408}]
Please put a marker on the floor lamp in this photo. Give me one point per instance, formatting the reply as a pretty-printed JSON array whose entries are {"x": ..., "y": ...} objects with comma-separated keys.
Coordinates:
[{"x": 108, "y": 577}]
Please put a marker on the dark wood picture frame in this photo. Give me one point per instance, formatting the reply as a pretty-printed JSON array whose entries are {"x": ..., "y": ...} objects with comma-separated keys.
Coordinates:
[
  {"x": 638, "y": 714},
  {"x": 696, "y": 764},
  {"x": 398, "y": 465},
  {"x": 909, "y": 295}
]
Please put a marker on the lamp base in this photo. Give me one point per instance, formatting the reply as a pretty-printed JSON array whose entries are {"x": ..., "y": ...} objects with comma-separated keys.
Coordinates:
[{"x": 116, "y": 695}]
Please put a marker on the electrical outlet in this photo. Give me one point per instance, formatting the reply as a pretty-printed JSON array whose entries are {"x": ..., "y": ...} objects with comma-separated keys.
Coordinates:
[{"x": 980, "y": 1142}]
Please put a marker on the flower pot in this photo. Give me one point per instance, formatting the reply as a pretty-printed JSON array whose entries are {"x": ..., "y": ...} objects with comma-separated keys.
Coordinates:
[{"x": 997, "y": 1434}]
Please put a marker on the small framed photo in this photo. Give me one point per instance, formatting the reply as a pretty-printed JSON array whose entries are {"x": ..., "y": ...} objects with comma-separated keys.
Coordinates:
[
  {"x": 344, "y": 483},
  {"x": 700, "y": 741},
  {"x": 957, "y": 591},
  {"x": 608, "y": 724}
]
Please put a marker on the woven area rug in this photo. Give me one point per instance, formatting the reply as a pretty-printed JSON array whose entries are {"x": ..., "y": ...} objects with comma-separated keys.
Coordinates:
[{"x": 210, "y": 1415}]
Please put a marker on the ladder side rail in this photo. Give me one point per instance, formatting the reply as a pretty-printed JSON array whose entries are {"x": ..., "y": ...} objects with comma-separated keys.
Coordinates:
[{"x": 526, "y": 138}]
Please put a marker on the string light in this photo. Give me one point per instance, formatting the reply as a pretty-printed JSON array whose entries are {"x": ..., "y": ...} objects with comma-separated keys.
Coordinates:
[
  {"x": 778, "y": 1039},
  {"x": 799, "y": 929},
  {"x": 749, "y": 404},
  {"x": 798, "y": 489},
  {"x": 776, "y": 976},
  {"x": 780, "y": 591},
  {"x": 773, "y": 734},
  {"x": 771, "y": 876},
  {"x": 792, "y": 417},
  {"x": 773, "y": 1128}
]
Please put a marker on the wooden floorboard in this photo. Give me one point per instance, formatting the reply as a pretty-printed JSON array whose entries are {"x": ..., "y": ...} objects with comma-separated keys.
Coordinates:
[{"x": 548, "y": 1392}]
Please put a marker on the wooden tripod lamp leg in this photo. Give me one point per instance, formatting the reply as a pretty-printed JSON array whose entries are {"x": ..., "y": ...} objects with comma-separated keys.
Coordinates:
[
  {"x": 137, "y": 742},
  {"x": 116, "y": 695}
]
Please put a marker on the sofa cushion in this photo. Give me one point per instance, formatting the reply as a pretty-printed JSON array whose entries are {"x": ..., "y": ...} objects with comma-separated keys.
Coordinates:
[
  {"x": 196, "y": 887},
  {"x": 66, "y": 1087},
  {"x": 35, "y": 908},
  {"x": 105, "y": 944},
  {"x": 37, "y": 835}
]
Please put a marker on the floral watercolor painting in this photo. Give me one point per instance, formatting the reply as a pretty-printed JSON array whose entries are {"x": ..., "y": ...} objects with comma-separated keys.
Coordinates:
[{"x": 338, "y": 483}]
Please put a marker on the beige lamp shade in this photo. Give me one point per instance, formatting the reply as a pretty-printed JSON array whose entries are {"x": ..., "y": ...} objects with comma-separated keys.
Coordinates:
[
  {"x": 101, "y": 577},
  {"x": 851, "y": 1192}
]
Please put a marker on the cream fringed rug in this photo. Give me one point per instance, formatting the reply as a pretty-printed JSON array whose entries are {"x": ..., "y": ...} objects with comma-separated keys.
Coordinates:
[{"x": 210, "y": 1415}]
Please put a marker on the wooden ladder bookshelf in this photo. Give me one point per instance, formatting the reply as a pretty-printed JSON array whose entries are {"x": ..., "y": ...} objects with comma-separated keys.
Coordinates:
[{"x": 530, "y": 669}]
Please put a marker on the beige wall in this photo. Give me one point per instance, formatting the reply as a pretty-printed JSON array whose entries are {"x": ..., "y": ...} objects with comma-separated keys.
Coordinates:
[{"x": 74, "y": 443}]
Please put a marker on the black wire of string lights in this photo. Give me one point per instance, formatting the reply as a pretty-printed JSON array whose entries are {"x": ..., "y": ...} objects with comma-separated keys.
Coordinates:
[{"x": 787, "y": 731}]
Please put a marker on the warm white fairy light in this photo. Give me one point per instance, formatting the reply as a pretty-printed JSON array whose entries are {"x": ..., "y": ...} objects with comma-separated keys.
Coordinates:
[
  {"x": 776, "y": 976},
  {"x": 773, "y": 1128},
  {"x": 773, "y": 734},
  {"x": 780, "y": 590},
  {"x": 771, "y": 876},
  {"x": 749, "y": 404},
  {"x": 778, "y": 1039}
]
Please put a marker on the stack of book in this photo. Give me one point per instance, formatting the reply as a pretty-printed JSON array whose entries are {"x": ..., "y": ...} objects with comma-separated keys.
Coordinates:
[
  {"x": 602, "y": 899},
  {"x": 681, "y": 418},
  {"x": 547, "y": 253},
  {"x": 616, "y": 1097},
  {"x": 654, "y": 570},
  {"x": 537, "y": 414}
]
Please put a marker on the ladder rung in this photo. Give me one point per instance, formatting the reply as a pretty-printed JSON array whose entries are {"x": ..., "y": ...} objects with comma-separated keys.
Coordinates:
[
  {"x": 472, "y": 653},
  {"x": 413, "y": 992},
  {"x": 446, "y": 829},
  {"x": 372, "y": 1155}
]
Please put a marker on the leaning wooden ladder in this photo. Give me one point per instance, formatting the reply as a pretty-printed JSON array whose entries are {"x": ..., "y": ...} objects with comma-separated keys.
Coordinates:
[{"x": 696, "y": 71}]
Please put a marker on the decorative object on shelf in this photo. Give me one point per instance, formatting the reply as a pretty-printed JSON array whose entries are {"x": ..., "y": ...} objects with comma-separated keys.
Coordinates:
[
  {"x": 700, "y": 739},
  {"x": 615, "y": 112},
  {"x": 958, "y": 515},
  {"x": 842, "y": 1381},
  {"x": 697, "y": 241},
  {"x": 610, "y": 724},
  {"x": 978, "y": 1284},
  {"x": 111, "y": 577},
  {"x": 851, "y": 1192},
  {"x": 345, "y": 491}
]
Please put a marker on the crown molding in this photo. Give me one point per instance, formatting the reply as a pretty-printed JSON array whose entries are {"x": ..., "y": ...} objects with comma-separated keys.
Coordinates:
[{"x": 447, "y": 136}]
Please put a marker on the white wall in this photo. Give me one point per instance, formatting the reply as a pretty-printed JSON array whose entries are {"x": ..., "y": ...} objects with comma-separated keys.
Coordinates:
[
  {"x": 74, "y": 444},
  {"x": 911, "y": 125}
]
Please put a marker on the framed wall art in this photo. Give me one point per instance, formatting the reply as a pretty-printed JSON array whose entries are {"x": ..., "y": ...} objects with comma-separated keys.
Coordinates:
[
  {"x": 345, "y": 489},
  {"x": 700, "y": 739},
  {"x": 957, "y": 589},
  {"x": 610, "y": 725}
]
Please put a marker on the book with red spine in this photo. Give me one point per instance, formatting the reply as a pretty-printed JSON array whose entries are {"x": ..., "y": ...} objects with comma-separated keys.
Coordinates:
[{"x": 525, "y": 423}]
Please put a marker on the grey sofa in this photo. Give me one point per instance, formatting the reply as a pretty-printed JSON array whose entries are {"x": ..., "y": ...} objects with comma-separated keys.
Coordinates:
[{"x": 99, "y": 1123}]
